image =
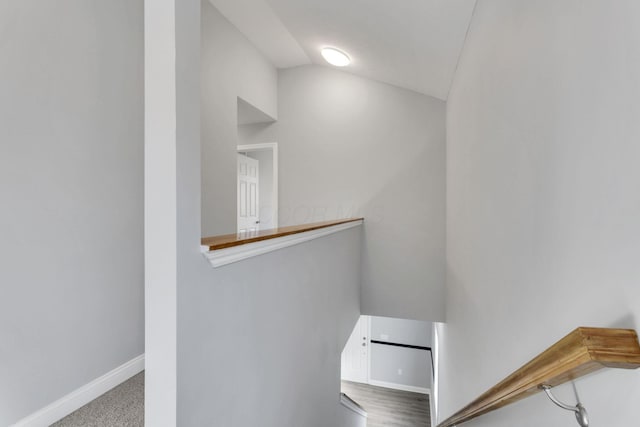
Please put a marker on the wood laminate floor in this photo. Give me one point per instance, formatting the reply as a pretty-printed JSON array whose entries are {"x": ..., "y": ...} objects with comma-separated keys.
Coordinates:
[{"x": 386, "y": 407}]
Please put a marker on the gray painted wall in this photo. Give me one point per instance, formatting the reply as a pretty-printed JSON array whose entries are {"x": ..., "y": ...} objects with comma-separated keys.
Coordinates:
[
  {"x": 347, "y": 417},
  {"x": 260, "y": 340},
  {"x": 543, "y": 200},
  {"x": 231, "y": 67},
  {"x": 349, "y": 146},
  {"x": 415, "y": 365},
  {"x": 71, "y": 165},
  {"x": 258, "y": 344}
]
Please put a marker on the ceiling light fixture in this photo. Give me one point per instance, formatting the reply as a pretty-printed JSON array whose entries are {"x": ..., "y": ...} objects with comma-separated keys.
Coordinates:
[{"x": 335, "y": 57}]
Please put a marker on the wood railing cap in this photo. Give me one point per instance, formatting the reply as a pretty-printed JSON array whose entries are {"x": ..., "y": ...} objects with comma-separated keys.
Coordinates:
[
  {"x": 237, "y": 239},
  {"x": 581, "y": 352}
]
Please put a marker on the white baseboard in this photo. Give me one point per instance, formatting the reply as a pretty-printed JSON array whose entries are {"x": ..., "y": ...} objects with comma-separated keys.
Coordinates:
[
  {"x": 85, "y": 394},
  {"x": 402, "y": 387}
]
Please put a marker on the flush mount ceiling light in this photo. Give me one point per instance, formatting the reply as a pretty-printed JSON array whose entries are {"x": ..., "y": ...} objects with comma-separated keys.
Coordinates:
[{"x": 335, "y": 57}]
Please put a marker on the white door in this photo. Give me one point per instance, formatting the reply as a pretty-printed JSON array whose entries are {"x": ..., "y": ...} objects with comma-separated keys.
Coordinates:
[
  {"x": 355, "y": 356},
  {"x": 248, "y": 194}
]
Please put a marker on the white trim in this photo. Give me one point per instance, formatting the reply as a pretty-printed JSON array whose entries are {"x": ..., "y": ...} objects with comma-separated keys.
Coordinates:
[
  {"x": 221, "y": 257},
  {"x": 369, "y": 350},
  {"x": 348, "y": 403},
  {"x": 395, "y": 386},
  {"x": 273, "y": 146},
  {"x": 85, "y": 394},
  {"x": 436, "y": 376}
]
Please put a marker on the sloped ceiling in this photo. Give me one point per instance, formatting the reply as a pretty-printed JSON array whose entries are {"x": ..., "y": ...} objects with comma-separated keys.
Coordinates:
[{"x": 414, "y": 44}]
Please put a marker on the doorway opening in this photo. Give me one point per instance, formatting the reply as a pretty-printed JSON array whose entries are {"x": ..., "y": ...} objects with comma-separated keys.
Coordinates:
[
  {"x": 387, "y": 368},
  {"x": 257, "y": 187},
  {"x": 257, "y": 172}
]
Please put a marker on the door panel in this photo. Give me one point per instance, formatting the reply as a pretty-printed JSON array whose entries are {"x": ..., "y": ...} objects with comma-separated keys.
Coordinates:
[
  {"x": 248, "y": 194},
  {"x": 355, "y": 356}
]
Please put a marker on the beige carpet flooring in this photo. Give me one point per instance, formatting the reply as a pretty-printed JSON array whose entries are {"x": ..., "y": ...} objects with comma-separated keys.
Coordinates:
[{"x": 122, "y": 406}]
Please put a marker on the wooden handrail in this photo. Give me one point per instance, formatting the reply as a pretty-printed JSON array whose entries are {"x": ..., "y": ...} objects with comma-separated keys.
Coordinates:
[
  {"x": 237, "y": 239},
  {"x": 583, "y": 351}
]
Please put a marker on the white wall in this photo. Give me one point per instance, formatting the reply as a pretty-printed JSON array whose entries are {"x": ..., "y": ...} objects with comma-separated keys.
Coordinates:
[
  {"x": 386, "y": 361},
  {"x": 403, "y": 331},
  {"x": 349, "y": 146},
  {"x": 172, "y": 51},
  {"x": 543, "y": 199},
  {"x": 71, "y": 180},
  {"x": 231, "y": 67}
]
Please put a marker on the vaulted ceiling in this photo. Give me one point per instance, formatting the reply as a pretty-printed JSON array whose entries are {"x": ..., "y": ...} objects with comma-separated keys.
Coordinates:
[{"x": 414, "y": 44}]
